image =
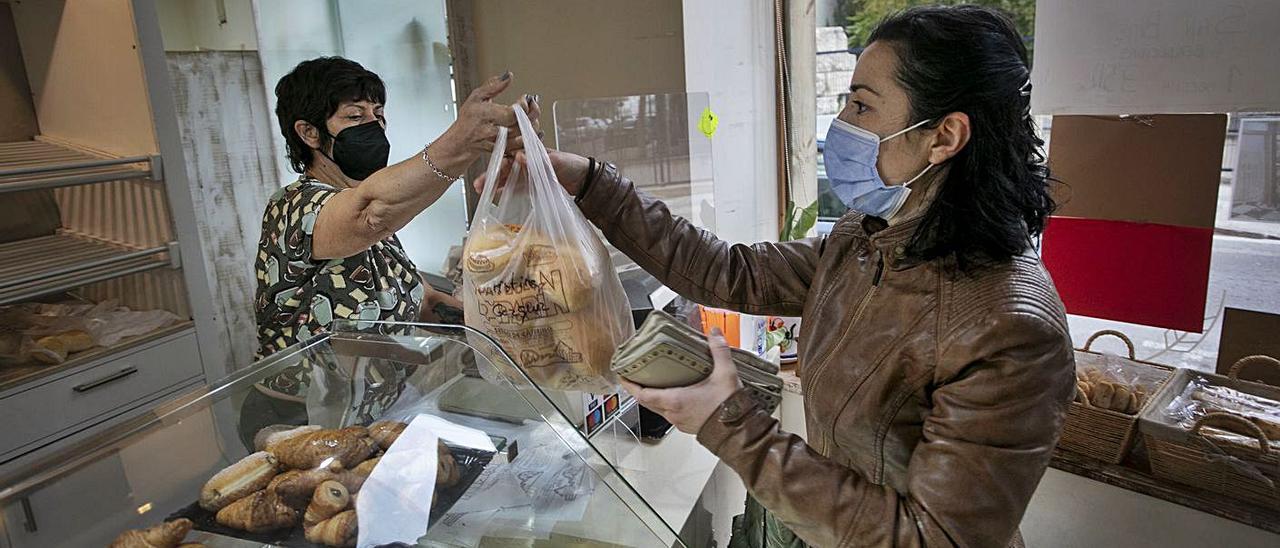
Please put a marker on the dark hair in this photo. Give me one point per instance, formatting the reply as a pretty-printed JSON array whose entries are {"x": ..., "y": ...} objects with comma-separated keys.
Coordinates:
[
  {"x": 996, "y": 197},
  {"x": 312, "y": 92}
]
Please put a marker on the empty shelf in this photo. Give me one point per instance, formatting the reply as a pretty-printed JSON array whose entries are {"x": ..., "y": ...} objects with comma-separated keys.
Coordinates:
[
  {"x": 30, "y": 165},
  {"x": 50, "y": 264}
]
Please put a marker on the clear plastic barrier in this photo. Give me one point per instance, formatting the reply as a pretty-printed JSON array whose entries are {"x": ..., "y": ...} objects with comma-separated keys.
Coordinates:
[{"x": 657, "y": 141}]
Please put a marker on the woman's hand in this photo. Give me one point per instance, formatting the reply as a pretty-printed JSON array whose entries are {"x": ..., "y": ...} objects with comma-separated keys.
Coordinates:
[
  {"x": 689, "y": 407},
  {"x": 473, "y": 134}
]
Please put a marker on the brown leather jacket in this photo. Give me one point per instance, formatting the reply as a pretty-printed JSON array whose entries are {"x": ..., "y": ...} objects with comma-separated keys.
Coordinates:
[{"x": 933, "y": 400}]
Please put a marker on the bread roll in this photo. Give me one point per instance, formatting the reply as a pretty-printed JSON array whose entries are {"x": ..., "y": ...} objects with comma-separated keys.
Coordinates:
[
  {"x": 488, "y": 251},
  {"x": 276, "y": 433},
  {"x": 165, "y": 535},
  {"x": 1120, "y": 398},
  {"x": 258, "y": 513},
  {"x": 1103, "y": 394},
  {"x": 50, "y": 350},
  {"x": 347, "y": 447},
  {"x": 540, "y": 305},
  {"x": 75, "y": 341},
  {"x": 239, "y": 480},
  {"x": 1082, "y": 392}
]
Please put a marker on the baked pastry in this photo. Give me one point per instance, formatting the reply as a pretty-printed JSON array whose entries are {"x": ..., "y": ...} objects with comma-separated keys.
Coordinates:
[
  {"x": 1103, "y": 393},
  {"x": 328, "y": 499},
  {"x": 366, "y": 468},
  {"x": 296, "y": 487},
  {"x": 276, "y": 433},
  {"x": 239, "y": 480},
  {"x": 447, "y": 472},
  {"x": 538, "y": 298},
  {"x": 165, "y": 535},
  {"x": 1082, "y": 392},
  {"x": 386, "y": 432},
  {"x": 346, "y": 447},
  {"x": 50, "y": 350},
  {"x": 258, "y": 513},
  {"x": 339, "y": 530},
  {"x": 72, "y": 341}
]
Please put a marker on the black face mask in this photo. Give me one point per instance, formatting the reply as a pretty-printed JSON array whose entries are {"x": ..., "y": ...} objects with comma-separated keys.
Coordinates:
[{"x": 361, "y": 150}]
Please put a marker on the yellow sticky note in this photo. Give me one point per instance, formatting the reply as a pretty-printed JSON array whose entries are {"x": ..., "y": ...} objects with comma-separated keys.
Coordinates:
[{"x": 708, "y": 123}]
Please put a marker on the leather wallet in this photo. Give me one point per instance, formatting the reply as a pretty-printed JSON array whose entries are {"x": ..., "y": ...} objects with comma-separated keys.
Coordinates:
[{"x": 665, "y": 353}]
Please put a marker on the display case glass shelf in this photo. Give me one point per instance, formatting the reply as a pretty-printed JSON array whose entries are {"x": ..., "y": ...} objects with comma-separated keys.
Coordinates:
[{"x": 517, "y": 471}]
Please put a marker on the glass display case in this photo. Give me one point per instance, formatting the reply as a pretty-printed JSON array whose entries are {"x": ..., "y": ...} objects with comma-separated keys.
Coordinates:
[{"x": 496, "y": 460}]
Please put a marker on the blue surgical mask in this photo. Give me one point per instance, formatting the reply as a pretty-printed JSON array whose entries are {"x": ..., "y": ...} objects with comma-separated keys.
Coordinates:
[{"x": 850, "y": 156}]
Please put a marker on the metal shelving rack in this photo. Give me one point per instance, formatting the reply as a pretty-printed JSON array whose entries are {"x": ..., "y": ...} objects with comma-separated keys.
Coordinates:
[
  {"x": 50, "y": 264},
  {"x": 33, "y": 165}
]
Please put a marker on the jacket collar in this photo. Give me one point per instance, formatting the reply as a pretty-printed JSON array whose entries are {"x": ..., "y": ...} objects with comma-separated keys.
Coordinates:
[{"x": 892, "y": 240}]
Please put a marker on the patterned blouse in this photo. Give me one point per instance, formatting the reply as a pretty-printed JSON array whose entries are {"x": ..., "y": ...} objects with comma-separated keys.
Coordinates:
[{"x": 299, "y": 296}]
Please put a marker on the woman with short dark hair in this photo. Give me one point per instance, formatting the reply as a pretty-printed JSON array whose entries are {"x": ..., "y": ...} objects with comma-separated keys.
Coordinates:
[
  {"x": 936, "y": 362},
  {"x": 329, "y": 250}
]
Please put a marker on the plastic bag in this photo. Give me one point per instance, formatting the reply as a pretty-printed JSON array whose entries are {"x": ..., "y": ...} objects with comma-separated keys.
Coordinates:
[
  {"x": 1201, "y": 398},
  {"x": 538, "y": 279},
  {"x": 1107, "y": 385},
  {"x": 49, "y": 333}
]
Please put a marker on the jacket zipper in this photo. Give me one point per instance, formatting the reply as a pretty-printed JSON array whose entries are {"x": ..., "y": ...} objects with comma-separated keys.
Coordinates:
[{"x": 857, "y": 315}]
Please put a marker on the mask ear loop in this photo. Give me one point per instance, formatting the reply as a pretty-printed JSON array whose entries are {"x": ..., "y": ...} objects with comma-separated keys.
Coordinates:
[
  {"x": 909, "y": 128},
  {"x": 921, "y": 174},
  {"x": 927, "y": 168}
]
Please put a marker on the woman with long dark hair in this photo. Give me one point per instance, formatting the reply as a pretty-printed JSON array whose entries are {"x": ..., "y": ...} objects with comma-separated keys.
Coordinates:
[{"x": 936, "y": 362}]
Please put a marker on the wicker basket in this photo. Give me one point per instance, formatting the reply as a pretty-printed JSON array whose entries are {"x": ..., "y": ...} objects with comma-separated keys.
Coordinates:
[
  {"x": 1246, "y": 467},
  {"x": 1255, "y": 361},
  {"x": 1100, "y": 433}
]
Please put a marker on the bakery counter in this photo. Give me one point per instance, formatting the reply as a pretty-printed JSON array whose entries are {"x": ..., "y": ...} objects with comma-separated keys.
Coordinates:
[{"x": 390, "y": 443}]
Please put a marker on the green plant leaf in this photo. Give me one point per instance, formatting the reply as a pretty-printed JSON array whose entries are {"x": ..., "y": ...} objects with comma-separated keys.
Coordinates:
[{"x": 805, "y": 221}]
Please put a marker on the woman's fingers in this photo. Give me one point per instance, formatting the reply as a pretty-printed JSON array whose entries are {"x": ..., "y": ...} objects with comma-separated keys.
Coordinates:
[
  {"x": 515, "y": 144},
  {"x": 496, "y": 114},
  {"x": 532, "y": 105},
  {"x": 491, "y": 88}
]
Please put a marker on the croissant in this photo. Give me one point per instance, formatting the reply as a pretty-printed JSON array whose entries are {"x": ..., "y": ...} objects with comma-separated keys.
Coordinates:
[
  {"x": 346, "y": 447},
  {"x": 258, "y": 513},
  {"x": 386, "y": 432},
  {"x": 366, "y": 468},
  {"x": 339, "y": 530},
  {"x": 330, "y": 498},
  {"x": 165, "y": 535},
  {"x": 238, "y": 481}
]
